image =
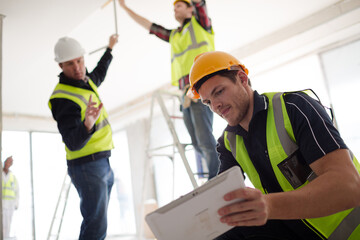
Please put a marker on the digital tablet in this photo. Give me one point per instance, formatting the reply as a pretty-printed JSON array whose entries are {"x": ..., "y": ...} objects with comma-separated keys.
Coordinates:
[{"x": 194, "y": 216}]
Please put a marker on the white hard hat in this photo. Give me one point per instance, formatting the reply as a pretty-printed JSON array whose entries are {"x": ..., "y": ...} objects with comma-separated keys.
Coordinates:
[{"x": 67, "y": 49}]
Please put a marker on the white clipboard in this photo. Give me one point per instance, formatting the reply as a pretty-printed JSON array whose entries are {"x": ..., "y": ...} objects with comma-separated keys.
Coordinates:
[{"x": 194, "y": 216}]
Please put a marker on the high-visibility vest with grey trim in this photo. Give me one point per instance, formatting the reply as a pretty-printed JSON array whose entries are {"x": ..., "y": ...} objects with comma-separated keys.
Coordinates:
[
  {"x": 281, "y": 143},
  {"x": 8, "y": 188},
  {"x": 101, "y": 139},
  {"x": 186, "y": 45}
]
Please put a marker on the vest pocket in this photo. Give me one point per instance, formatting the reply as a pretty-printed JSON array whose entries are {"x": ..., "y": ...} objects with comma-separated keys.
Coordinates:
[{"x": 295, "y": 171}]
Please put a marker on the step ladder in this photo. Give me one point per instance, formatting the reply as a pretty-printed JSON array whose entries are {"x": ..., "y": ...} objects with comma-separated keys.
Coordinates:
[
  {"x": 178, "y": 147},
  {"x": 158, "y": 99},
  {"x": 56, "y": 222}
]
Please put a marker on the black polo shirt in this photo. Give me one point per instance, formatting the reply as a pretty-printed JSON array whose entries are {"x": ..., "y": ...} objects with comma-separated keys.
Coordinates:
[
  {"x": 68, "y": 114},
  {"x": 313, "y": 130}
]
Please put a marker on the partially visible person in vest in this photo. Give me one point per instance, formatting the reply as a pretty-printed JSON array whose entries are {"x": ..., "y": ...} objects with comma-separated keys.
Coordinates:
[
  {"x": 83, "y": 124},
  {"x": 194, "y": 36},
  {"x": 10, "y": 196},
  {"x": 307, "y": 183}
]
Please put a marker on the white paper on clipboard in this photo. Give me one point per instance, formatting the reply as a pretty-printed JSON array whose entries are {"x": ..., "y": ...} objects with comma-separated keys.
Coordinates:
[{"x": 194, "y": 216}]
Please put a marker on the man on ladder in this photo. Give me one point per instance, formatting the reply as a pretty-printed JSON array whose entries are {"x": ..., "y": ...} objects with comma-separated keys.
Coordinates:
[{"x": 194, "y": 36}]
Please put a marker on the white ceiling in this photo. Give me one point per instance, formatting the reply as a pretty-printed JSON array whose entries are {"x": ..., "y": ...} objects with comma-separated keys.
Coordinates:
[{"x": 262, "y": 33}]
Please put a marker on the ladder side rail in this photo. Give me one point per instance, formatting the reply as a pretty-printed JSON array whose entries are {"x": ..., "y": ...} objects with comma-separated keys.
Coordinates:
[
  {"x": 179, "y": 146},
  {"x": 63, "y": 212},
  {"x": 56, "y": 208}
]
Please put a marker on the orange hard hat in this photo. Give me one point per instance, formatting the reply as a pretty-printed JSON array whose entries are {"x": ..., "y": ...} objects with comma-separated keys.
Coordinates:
[
  {"x": 187, "y": 1},
  {"x": 208, "y": 63}
]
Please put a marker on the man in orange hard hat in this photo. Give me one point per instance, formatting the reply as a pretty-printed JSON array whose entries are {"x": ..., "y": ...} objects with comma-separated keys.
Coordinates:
[
  {"x": 307, "y": 183},
  {"x": 194, "y": 36}
]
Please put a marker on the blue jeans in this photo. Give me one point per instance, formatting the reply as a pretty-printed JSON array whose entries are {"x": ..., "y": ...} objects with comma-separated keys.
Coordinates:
[
  {"x": 198, "y": 119},
  {"x": 93, "y": 182}
]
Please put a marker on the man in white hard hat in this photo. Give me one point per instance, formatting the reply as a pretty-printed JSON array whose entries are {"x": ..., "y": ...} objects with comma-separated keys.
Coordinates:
[
  {"x": 83, "y": 124},
  {"x": 195, "y": 35},
  {"x": 10, "y": 195}
]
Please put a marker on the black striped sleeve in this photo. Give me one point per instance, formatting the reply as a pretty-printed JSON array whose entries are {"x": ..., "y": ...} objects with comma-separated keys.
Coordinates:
[{"x": 313, "y": 128}]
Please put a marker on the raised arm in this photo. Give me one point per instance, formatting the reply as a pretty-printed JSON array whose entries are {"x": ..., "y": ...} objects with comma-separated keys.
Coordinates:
[
  {"x": 137, "y": 18},
  {"x": 113, "y": 41},
  {"x": 201, "y": 14}
]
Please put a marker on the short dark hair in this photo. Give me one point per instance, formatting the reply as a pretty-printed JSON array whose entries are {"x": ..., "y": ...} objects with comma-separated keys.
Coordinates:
[{"x": 230, "y": 74}]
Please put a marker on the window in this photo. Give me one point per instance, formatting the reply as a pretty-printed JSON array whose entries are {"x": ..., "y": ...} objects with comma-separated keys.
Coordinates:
[{"x": 44, "y": 155}]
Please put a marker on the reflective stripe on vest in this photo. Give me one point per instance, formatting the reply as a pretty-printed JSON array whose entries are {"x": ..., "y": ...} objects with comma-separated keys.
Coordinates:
[
  {"x": 342, "y": 225},
  {"x": 186, "y": 45},
  {"x": 99, "y": 125},
  {"x": 101, "y": 139},
  {"x": 8, "y": 188}
]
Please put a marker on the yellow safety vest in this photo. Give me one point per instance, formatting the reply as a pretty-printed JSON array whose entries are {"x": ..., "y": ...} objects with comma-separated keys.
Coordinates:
[
  {"x": 281, "y": 143},
  {"x": 186, "y": 45},
  {"x": 8, "y": 188},
  {"x": 101, "y": 140}
]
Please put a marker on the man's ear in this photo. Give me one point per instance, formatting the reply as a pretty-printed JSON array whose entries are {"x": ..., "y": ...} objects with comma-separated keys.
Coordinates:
[
  {"x": 192, "y": 8},
  {"x": 60, "y": 65},
  {"x": 243, "y": 77}
]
